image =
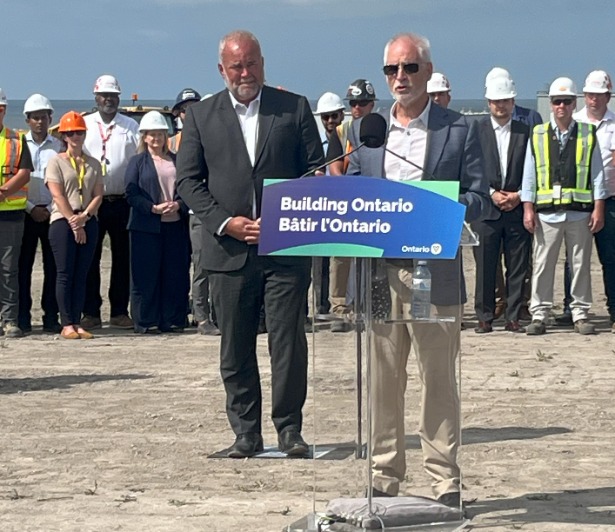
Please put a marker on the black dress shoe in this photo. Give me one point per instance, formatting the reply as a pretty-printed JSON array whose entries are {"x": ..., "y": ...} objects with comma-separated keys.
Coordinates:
[
  {"x": 377, "y": 493},
  {"x": 246, "y": 445},
  {"x": 452, "y": 499},
  {"x": 291, "y": 443},
  {"x": 514, "y": 326},
  {"x": 483, "y": 327}
]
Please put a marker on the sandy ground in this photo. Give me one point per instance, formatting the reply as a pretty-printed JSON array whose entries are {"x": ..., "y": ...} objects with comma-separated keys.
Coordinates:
[{"x": 115, "y": 433}]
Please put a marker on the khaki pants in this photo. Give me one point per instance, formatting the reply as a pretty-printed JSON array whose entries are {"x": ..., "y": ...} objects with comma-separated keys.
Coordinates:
[
  {"x": 436, "y": 346},
  {"x": 339, "y": 272},
  {"x": 547, "y": 243}
]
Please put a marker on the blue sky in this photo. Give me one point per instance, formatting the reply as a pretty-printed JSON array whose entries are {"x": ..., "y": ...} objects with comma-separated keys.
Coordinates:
[{"x": 157, "y": 47}]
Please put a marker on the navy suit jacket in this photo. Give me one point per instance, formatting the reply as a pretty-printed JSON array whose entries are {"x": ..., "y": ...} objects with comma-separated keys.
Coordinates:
[
  {"x": 216, "y": 178},
  {"x": 526, "y": 116},
  {"x": 453, "y": 154},
  {"x": 143, "y": 191}
]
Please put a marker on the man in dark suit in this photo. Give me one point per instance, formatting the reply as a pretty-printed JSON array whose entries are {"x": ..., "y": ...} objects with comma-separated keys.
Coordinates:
[
  {"x": 445, "y": 144},
  {"x": 230, "y": 143},
  {"x": 503, "y": 141}
]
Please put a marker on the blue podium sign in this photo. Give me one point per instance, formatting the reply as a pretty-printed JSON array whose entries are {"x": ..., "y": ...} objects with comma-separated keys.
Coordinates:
[{"x": 356, "y": 216}]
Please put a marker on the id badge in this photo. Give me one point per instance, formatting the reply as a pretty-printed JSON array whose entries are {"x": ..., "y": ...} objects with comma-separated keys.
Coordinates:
[{"x": 557, "y": 192}]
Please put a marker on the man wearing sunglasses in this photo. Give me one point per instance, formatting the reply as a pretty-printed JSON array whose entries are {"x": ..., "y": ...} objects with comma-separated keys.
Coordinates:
[
  {"x": 446, "y": 145},
  {"x": 15, "y": 169},
  {"x": 563, "y": 193},
  {"x": 361, "y": 98}
]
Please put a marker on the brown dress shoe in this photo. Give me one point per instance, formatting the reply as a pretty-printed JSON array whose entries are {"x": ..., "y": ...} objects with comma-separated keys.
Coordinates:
[
  {"x": 483, "y": 327},
  {"x": 514, "y": 326},
  {"x": 500, "y": 307}
]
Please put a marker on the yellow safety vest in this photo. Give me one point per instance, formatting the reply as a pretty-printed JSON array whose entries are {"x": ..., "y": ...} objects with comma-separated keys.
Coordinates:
[
  {"x": 10, "y": 157},
  {"x": 575, "y": 194},
  {"x": 342, "y": 133}
]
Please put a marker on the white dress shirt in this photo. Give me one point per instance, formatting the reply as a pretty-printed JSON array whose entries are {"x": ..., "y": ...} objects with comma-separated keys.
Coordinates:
[
  {"x": 605, "y": 131},
  {"x": 122, "y": 135},
  {"x": 38, "y": 193},
  {"x": 409, "y": 142},
  {"x": 502, "y": 137}
]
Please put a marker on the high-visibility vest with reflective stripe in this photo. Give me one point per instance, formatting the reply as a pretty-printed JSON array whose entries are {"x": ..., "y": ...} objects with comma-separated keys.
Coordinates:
[
  {"x": 576, "y": 193},
  {"x": 342, "y": 133},
  {"x": 10, "y": 157}
]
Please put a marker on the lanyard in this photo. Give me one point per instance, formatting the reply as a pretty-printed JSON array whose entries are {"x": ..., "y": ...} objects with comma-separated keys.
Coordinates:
[
  {"x": 103, "y": 158},
  {"x": 80, "y": 174}
]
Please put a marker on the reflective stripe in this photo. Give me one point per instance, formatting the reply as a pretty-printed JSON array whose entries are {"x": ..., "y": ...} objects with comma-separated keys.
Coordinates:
[
  {"x": 582, "y": 192},
  {"x": 10, "y": 157}
]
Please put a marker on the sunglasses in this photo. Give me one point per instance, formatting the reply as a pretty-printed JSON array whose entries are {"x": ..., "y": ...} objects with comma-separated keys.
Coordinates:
[
  {"x": 360, "y": 103},
  {"x": 560, "y": 101},
  {"x": 333, "y": 116},
  {"x": 73, "y": 133},
  {"x": 408, "y": 68}
]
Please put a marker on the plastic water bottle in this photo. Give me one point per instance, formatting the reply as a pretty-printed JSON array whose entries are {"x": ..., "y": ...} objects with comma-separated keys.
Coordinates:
[{"x": 421, "y": 291}]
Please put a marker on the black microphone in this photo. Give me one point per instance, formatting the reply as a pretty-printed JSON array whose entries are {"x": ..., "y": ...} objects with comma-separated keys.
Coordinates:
[
  {"x": 372, "y": 133},
  {"x": 373, "y": 130}
]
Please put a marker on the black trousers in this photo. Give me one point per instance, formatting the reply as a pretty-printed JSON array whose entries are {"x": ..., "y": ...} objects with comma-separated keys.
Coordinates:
[
  {"x": 282, "y": 287},
  {"x": 506, "y": 232},
  {"x": 35, "y": 232},
  {"x": 72, "y": 263},
  {"x": 160, "y": 273},
  {"x": 112, "y": 219}
]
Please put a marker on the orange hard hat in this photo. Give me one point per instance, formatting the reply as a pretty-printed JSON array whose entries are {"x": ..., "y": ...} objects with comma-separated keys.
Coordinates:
[{"x": 72, "y": 121}]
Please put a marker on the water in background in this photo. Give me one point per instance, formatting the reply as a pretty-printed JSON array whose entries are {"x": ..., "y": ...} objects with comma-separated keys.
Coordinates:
[{"x": 15, "y": 119}]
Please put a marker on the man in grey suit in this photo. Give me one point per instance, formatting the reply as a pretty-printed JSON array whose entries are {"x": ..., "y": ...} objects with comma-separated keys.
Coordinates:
[
  {"x": 231, "y": 142},
  {"x": 447, "y": 147}
]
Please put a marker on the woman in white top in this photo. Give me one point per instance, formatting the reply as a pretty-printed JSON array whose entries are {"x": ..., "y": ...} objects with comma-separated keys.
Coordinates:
[
  {"x": 76, "y": 185},
  {"x": 159, "y": 240}
]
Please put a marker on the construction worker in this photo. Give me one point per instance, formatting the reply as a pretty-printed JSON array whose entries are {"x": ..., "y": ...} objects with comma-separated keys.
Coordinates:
[
  {"x": 43, "y": 146},
  {"x": 563, "y": 193},
  {"x": 439, "y": 89},
  {"x": 185, "y": 98},
  {"x": 15, "y": 169},
  {"x": 361, "y": 97},
  {"x": 112, "y": 139}
]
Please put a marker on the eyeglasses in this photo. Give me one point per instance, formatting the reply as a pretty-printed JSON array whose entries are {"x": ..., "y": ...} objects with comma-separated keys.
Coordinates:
[
  {"x": 73, "y": 133},
  {"x": 560, "y": 101},
  {"x": 408, "y": 68},
  {"x": 360, "y": 103},
  {"x": 183, "y": 109},
  {"x": 327, "y": 117}
]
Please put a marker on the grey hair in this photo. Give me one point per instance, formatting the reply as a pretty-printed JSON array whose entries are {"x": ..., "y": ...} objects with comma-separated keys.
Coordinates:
[
  {"x": 421, "y": 43},
  {"x": 236, "y": 35}
]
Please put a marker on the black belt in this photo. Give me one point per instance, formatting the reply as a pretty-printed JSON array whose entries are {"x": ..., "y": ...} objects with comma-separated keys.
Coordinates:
[{"x": 114, "y": 197}]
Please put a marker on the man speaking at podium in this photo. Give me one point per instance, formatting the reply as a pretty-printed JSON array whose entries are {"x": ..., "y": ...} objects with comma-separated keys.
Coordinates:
[
  {"x": 231, "y": 142},
  {"x": 444, "y": 146}
]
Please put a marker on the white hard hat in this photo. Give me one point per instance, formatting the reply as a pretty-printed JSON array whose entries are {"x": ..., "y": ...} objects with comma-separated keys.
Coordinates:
[
  {"x": 208, "y": 95},
  {"x": 153, "y": 121},
  {"x": 3, "y": 100},
  {"x": 329, "y": 103},
  {"x": 496, "y": 72},
  {"x": 500, "y": 88},
  {"x": 563, "y": 87},
  {"x": 438, "y": 83},
  {"x": 107, "y": 83},
  {"x": 598, "y": 81},
  {"x": 37, "y": 102}
]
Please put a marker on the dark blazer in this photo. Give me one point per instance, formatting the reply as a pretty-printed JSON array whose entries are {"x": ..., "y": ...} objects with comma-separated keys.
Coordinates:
[
  {"x": 519, "y": 134},
  {"x": 215, "y": 176},
  {"x": 143, "y": 191},
  {"x": 453, "y": 154}
]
